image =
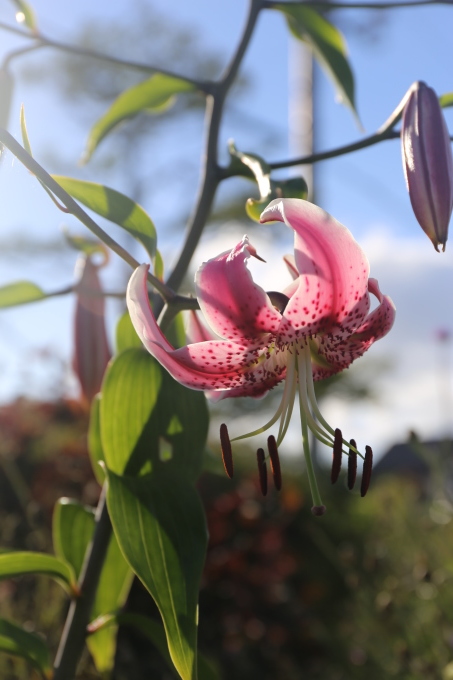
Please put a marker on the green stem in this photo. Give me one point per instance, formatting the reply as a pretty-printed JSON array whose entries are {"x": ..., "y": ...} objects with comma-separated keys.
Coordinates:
[
  {"x": 211, "y": 174},
  {"x": 74, "y": 633},
  {"x": 308, "y": 460},
  {"x": 376, "y": 138},
  {"x": 272, "y": 4}
]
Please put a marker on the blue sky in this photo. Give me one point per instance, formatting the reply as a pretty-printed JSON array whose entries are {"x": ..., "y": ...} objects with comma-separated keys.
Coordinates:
[{"x": 365, "y": 190}]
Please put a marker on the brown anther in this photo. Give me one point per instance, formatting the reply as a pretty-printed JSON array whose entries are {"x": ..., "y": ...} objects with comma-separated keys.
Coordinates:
[
  {"x": 262, "y": 469},
  {"x": 227, "y": 454},
  {"x": 352, "y": 466},
  {"x": 275, "y": 462},
  {"x": 318, "y": 510},
  {"x": 366, "y": 472},
  {"x": 336, "y": 456}
]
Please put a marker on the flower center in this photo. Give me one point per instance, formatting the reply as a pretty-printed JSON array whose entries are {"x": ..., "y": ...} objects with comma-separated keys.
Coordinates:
[{"x": 299, "y": 378}]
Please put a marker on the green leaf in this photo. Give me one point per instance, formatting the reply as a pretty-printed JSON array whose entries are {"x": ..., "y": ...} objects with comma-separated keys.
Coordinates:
[
  {"x": 14, "y": 564},
  {"x": 160, "y": 525},
  {"x": 29, "y": 18},
  {"x": 446, "y": 100},
  {"x": 20, "y": 293},
  {"x": 113, "y": 588},
  {"x": 126, "y": 337},
  {"x": 95, "y": 441},
  {"x": 153, "y": 95},
  {"x": 14, "y": 640},
  {"x": 72, "y": 529},
  {"x": 296, "y": 187},
  {"x": 129, "y": 394},
  {"x": 115, "y": 207},
  {"x": 328, "y": 46},
  {"x": 155, "y": 632},
  {"x": 256, "y": 167},
  {"x": 158, "y": 266},
  {"x": 27, "y": 147},
  {"x": 86, "y": 245},
  {"x": 181, "y": 421},
  {"x": 24, "y": 132}
]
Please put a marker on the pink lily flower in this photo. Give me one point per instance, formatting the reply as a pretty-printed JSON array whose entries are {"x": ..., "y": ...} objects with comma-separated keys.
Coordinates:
[{"x": 315, "y": 328}]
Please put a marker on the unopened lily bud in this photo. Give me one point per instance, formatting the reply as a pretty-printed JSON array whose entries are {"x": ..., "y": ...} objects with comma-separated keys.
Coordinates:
[
  {"x": 92, "y": 353},
  {"x": 428, "y": 162}
]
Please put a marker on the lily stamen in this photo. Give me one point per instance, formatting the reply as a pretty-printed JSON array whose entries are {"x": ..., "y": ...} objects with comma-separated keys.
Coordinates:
[
  {"x": 337, "y": 455},
  {"x": 352, "y": 465},
  {"x": 227, "y": 453},
  {"x": 366, "y": 472},
  {"x": 275, "y": 462},
  {"x": 262, "y": 470}
]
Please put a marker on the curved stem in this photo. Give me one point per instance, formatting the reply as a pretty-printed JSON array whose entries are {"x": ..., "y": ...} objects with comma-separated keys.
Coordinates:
[
  {"x": 211, "y": 175},
  {"x": 272, "y": 4},
  {"x": 74, "y": 633},
  {"x": 42, "y": 41},
  {"x": 339, "y": 151}
]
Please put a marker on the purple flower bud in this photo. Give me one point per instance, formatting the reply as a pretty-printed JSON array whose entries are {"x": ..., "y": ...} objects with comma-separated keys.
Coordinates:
[
  {"x": 428, "y": 162},
  {"x": 91, "y": 352}
]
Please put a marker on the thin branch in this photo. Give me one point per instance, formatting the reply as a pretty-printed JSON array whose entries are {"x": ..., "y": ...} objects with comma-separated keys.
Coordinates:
[
  {"x": 339, "y": 151},
  {"x": 75, "y": 209},
  {"x": 18, "y": 53},
  {"x": 211, "y": 172},
  {"x": 42, "y": 41},
  {"x": 272, "y": 4},
  {"x": 74, "y": 633}
]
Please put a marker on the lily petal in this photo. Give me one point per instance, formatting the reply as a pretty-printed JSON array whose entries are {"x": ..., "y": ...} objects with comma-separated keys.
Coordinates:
[
  {"x": 340, "y": 355},
  {"x": 196, "y": 330},
  {"x": 213, "y": 364},
  {"x": 333, "y": 271},
  {"x": 234, "y": 306}
]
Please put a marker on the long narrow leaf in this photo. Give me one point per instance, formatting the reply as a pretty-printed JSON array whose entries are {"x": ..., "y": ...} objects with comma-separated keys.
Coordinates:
[
  {"x": 328, "y": 46},
  {"x": 19, "y": 563},
  {"x": 160, "y": 525},
  {"x": 153, "y": 95},
  {"x": 18, "y": 642}
]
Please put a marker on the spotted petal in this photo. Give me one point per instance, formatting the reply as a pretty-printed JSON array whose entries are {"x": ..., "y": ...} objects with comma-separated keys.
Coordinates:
[
  {"x": 233, "y": 305},
  {"x": 340, "y": 354},
  {"x": 332, "y": 293},
  {"x": 213, "y": 364}
]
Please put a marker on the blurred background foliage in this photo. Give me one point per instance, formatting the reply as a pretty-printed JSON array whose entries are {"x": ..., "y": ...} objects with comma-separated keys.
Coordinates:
[{"x": 364, "y": 592}]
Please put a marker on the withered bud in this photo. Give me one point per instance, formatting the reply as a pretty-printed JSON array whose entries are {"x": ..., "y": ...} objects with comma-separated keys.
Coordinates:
[
  {"x": 227, "y": 454},
  {"x": 352, "y": 465},
  {"x": 275, "y": 462},
  {"x": 262, "y": 469},
  {"x": 337, "y": 454},
  {"x": 366, "y": 472}
]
